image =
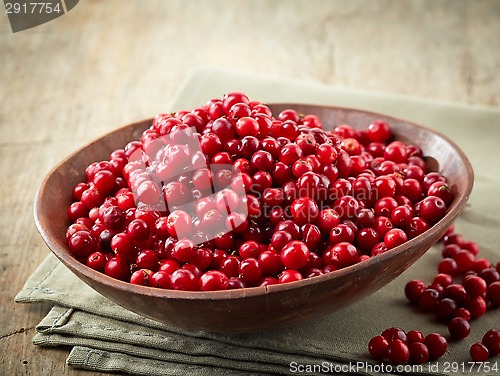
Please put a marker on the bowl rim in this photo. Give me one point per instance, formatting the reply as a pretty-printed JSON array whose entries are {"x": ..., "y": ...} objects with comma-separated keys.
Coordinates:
[{"x": 72, "y": 263}]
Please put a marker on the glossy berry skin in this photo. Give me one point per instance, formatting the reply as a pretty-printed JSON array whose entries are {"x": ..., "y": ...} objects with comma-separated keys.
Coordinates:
[
  {"x": 464, "y": 260},
  {"x": 416, "y": 226},
  {"x": 429, "y": 299},
  {"x": 179, "y": 223},
  {"x": 446, "y": 308},
  {"x": 82, "y": 244},
  {"x": 304, "y": 210},
  {"x": 436, "y": 344},
  {"x": 141, "y": 277},
  {"x": 341, "y": 255},
  {"x": 139, "y": 229},
  {"x": 395, "y": 237},
  {"x": 432, "y": 209},
  {"x": 326, "y": 153},
  {"x": 419, "y": 353},
  {"x": 458, "y": 328},
  {"x": 379, "y": 131},
  {"x": 479, "y": 352},
  {"x": 213, "y": 280},
  {"x": 184, "y": 250},
  {"x": 392, "y": 334},
  {"x": 247, "y": 126},
  {"x": 493, "y": 294},
  {"x": 463, "y": 313},
  {"x": 117, "y": 267},
  {"x": 97, "y": 261},
  {"x": 341, "y": 233},
  {"x": 290, "y": 276},
  {"x": 294, "y": 255},
  {"x": 476, "y": 306},
  {"x": 250, "y": 271},
  {"x": 377, "y": 347},
  {"x": 414, "y": 336},
  {"x": 147, "y": 259},
  {"x": 491, "y": 340},
  {"x": 398, "y": 352},
  {"x": 414, "y": 290},
  {"x": 160, "y": 279},
  {"x": 183, "y": 279},
  {"x": 475, "y": 286}
]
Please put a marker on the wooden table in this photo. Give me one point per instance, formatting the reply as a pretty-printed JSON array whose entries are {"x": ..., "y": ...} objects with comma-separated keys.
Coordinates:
[{"x": 110, "y": 62}]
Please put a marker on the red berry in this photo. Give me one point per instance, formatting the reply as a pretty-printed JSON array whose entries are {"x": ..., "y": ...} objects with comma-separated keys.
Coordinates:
[
  {"x": 82, "y": 244},
  {"x": 448, "y": 266},
  {"x": 250, "y": 271},
  {"x": 414, "y": 336},
  {"x": 432, "y": 209},
  {"x": 445, "y": 309},
  {"x": 183, "y": 279},
  {"x": 479, "y": 352},
  {"x": 379, "y": 131},
  {"x": 147, "y": 259},
  {"x": 398, "y": 352},
  {"x": 475, "y": 286},
  {"x": 436, "y": 344},
  {"x": 457, "y": 293},
  {"x": 419, "y": 353},
  {"x": 327, "y": 153},
  {"x": 97, "y": 261},
  {"x": 139, "y": 229},
  {"x": 463, "y": 313},
  {"x": 304, "y": 210},
  {"x": 458, "y": 328},
  {"x": 414, "y": 290},
  {"x": 290, "y": 275},
  {"x": 429, "y": 299},
  {"x": 476, "y": 306},
  {"x": 184, "y": 250},
  {"x": 294, "y": 255},
  {"x": 117, "y": 267},
  {"x": 341, "y": 255},
  {"x": 493, "y": 294},
  {"x": 213, "y": 280},
  {"x": 464, "y": 260},
  {"x": 378, "y": 347},
  {"x": 395, "y": 237},
  {"x": 491, "y": 340},
  {"x": 141, "y": 277},
  {"x": 160, "y": 279}
]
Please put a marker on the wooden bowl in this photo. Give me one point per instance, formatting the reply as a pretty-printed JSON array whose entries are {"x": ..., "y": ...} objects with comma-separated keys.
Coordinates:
[{"x": 257, "y": 308}]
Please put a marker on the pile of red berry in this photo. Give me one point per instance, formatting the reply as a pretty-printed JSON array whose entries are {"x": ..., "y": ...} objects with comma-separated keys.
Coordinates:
[
  {"x": 228, "y": 196},
  {"x": 400, "y": 347},
  {"x": 464, "y": 288}
]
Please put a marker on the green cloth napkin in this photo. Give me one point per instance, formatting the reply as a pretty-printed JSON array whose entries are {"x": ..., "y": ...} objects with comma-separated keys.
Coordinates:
[{"x": 106, "y": 337}]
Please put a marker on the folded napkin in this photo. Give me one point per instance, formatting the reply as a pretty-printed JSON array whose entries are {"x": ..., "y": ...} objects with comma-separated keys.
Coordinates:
[{"x": 107, "y": 337}]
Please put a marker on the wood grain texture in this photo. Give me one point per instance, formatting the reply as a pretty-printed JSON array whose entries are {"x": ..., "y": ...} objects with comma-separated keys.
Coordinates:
[{"x": 107, "y": 63}]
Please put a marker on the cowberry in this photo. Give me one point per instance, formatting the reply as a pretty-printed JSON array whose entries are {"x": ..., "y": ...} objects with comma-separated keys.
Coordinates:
[
  {"x": 398, "y": 352},
  {"x": 459, "y": 328},
  {"x": 491, "y": 340},
  {"x": 436, "y": 344},
  {"x": 479, "y": 352},
  {"x": 377, "y": 347}
]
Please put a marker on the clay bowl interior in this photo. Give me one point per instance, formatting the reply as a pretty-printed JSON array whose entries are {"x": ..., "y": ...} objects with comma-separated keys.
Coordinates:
[{"x": 257, "y": 308}]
